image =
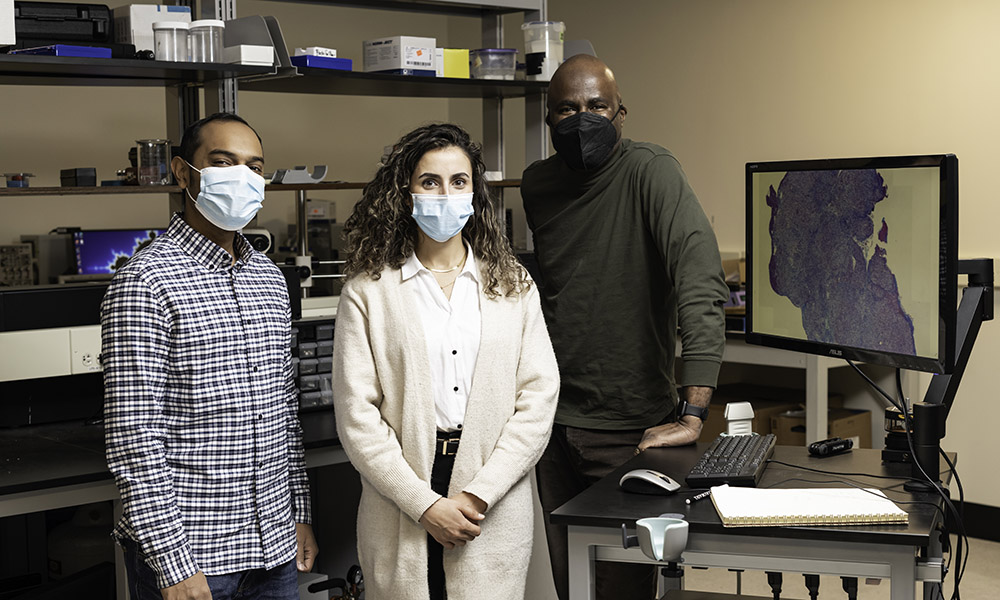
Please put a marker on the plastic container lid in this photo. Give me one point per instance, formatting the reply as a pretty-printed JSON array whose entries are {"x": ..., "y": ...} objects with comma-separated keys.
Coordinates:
[
  {"x": 528, "y": 24},
  {"x": 208, "y": 23},
  {"x": 494, "y": 50},
  {"x": 171, "y": 25}
]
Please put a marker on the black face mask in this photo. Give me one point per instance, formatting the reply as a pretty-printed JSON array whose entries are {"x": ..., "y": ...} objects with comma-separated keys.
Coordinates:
[{"x": 585, "y": 140}]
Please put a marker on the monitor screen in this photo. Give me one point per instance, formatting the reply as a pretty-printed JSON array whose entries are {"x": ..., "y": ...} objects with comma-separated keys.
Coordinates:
[
  {"x": 855, "y": 258},
  {"x": 104, "y": 251}
]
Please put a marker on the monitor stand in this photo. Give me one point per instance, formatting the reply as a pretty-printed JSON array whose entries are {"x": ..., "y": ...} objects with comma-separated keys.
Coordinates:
[{"x": 929, "y": 416}]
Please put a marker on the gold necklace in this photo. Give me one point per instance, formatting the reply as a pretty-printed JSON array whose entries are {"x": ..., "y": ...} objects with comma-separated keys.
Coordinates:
[{"x": 460, "y": 263}]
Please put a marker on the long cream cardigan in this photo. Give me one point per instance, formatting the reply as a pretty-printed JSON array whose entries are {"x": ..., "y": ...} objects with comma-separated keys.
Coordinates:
[{"x": 385, "y": 419}]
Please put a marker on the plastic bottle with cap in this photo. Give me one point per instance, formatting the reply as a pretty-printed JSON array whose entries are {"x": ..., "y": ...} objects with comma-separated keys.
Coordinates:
[
  {"x": 206, "y": 40},
  {"x": 170, "y": 40}
]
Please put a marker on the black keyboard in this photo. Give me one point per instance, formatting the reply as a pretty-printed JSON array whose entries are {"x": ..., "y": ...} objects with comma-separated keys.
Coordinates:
[{"x": 733, "y": 459}]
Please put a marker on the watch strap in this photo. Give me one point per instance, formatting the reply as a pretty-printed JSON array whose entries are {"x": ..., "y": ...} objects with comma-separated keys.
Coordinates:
[{"x": 684, "y": 409}]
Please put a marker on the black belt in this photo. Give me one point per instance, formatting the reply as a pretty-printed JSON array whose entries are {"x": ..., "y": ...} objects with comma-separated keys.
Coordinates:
[{"x": 447, "y": 443}]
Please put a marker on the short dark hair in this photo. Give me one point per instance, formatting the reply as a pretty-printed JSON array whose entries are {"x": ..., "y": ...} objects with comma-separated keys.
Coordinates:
[{"x": 192, "y": 135}]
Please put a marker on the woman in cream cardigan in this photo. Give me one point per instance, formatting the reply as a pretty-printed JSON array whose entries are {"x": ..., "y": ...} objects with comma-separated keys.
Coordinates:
[{"x": 445, "y": 383}]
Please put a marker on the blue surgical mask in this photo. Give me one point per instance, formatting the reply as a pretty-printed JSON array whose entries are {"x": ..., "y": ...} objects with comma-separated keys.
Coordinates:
[
  {"x": 442, "y": 216},
  {"x": 230, "y": 196}
]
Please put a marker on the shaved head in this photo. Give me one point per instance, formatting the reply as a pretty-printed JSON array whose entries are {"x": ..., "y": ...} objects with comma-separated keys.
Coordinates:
[
  {"x": 584, "y": 84},
  {"x": 583, "y": 70}
]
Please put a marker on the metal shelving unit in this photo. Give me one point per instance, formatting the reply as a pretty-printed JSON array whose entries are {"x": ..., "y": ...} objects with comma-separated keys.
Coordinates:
[
  {"x": 173, "y": 189},
  {"x": 26, "y": 69},
  {"x": 354, "y": 83}
]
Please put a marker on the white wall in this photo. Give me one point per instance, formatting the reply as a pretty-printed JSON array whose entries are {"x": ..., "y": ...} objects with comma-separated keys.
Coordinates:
[{"x": 724, "y": 82}]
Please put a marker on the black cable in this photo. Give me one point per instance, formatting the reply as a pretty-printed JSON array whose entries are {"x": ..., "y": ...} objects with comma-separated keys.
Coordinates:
[
  {"x": 962, "y": 545},
  {"x": 812, "y": 584},
  {"x": 859, "y": 486},
  {"x": 778, "y": 462},
  {"x": 962, "y": 538},
  {"x": 774, "y": 580},
  {"x": 850, "y": 585},
  {"x": 901, "y": 405}
]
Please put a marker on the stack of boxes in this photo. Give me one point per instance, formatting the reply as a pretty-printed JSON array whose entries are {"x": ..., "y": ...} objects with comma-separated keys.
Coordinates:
[{"x": 312, "y": 363}]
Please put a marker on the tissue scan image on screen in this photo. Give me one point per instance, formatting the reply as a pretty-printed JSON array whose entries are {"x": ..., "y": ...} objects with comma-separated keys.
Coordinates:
[
  {"x": 102, "y": 252},
  {"x": 851, "y": 254}
]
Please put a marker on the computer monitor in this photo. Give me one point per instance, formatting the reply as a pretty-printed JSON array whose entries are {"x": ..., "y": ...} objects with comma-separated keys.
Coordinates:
[
  {"x": 855, "y": 258},
  {"x": 104, "y": 251}
]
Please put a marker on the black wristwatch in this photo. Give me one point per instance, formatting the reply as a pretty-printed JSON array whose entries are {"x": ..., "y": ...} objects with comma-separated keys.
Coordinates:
[{"x": 684, "y": 409}]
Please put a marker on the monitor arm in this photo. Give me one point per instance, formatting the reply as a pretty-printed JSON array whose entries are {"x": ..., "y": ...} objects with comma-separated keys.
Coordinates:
[
  {"x": 976, "y": 306},
  {"x": 930, "y": 415}
]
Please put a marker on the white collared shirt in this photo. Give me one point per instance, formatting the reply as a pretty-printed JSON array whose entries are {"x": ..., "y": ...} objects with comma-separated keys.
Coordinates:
[{"x": 452, "y": 329}]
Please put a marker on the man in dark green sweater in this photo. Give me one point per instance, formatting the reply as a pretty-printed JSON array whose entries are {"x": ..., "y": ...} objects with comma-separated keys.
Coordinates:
[{"x": 625, "y": 257}]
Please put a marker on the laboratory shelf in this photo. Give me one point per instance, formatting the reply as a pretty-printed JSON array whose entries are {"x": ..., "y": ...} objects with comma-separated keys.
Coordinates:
[
  {"x": 21, "y": 69},
  {"x": 448, "y": 7},
  {"x": 169, "y": 189},
  {"x": 353, "y": 83}
]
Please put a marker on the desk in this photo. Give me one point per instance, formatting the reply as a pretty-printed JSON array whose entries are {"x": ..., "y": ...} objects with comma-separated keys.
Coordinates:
[{"x": 904, "y": 554}]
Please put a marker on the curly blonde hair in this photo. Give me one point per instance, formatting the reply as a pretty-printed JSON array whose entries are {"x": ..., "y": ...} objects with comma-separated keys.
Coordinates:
[{"x": 381, "y": 231}]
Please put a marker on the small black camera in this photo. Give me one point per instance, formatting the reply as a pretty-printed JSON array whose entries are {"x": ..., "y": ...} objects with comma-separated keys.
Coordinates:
[{"x": 830, "y": 447}]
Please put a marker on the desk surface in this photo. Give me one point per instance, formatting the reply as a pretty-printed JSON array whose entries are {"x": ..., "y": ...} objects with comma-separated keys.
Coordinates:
[
  {"x": 44, "y": 456},
  {"x": 605, "y": 505}
]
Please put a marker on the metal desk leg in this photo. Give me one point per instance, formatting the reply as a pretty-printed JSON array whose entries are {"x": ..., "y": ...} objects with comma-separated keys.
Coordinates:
[
  {"x": 582, "y": 560},
  {"x": 935, "y": 553}
]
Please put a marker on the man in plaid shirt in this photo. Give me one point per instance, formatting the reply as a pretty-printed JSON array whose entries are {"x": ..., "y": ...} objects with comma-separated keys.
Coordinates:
[{"x": 202, "y": 432}]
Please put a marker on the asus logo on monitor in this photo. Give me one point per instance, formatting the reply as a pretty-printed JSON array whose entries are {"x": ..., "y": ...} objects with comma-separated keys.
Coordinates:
[{"x": 835, "y": 352}]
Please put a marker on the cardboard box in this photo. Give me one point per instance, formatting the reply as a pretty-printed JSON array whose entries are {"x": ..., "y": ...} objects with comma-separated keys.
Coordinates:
[
  {"x": 735, "y": 270},
  {"x": 452, "y": 62},
  {"x": 790, "y": 427},
  {"x": 400, "y": 54},
  {"x": 767, "y": 401},
  {"x": 134, "y": 22}
]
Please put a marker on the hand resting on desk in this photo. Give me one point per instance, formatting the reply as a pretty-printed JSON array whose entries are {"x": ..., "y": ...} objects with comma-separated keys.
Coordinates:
[{"x": 685, "y": 431}]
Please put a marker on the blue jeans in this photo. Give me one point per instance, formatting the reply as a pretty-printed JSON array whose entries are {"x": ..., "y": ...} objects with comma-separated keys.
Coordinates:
[{"x": 279, "y": 583}]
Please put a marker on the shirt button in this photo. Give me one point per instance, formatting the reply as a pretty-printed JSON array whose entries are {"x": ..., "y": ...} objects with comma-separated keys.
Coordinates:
[
  {"x": 454, "y": 352},
  {"x": 255, "y": 369},
  {"x": 459, "y": 426},
  {"x": 259, "y": 417},
  {"x": 456, "y": 388}
]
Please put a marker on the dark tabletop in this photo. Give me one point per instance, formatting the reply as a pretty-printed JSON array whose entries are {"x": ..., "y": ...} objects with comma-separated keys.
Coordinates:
[
  {"x": 37, "y": 457},
  {"x": 606, "y": 505}
]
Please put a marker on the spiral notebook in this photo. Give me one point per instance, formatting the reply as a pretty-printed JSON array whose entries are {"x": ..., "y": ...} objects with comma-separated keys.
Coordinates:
[{"x": 756, "y": 507}]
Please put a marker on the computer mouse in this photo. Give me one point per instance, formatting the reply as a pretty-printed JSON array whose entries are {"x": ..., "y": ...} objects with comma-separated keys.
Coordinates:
[{"x": 648, "y": 481}]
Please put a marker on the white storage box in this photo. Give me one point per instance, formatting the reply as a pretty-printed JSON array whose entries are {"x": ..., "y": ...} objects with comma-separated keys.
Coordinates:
[
  {"x": 134, "y": 22},
  {"x": 400, "y": 54},
  {"x": 261, "y": 56},
  {"x": 316, "y": 51}
]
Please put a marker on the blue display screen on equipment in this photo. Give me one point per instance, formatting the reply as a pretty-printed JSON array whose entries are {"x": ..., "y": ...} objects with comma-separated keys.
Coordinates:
[{"x": 105, "y": 251}]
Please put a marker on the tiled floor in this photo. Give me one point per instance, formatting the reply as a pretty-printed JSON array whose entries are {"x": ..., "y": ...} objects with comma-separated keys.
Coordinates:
[{"x": 981, "y": 580}]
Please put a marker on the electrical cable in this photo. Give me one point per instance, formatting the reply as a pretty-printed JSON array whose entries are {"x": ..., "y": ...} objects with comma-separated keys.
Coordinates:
[
  {"x": 854, "y": 484},
  {"x": 901, "y": 405},
  {"x": 812, "y": 584},
  {"x": 962, "y": 538}
]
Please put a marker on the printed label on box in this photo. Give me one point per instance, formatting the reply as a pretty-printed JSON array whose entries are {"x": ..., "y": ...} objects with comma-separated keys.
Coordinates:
[{"x": 419, "y": 56}]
